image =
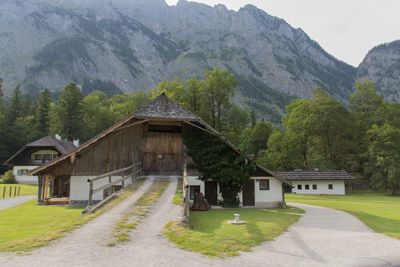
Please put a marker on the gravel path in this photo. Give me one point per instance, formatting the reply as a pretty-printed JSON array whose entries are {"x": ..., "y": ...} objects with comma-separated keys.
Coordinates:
[
  {"x": 322, "y": 237},
  {"x": 15, "y": 201}
]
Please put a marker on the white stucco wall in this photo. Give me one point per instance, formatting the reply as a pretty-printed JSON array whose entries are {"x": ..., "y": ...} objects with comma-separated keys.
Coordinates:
[
  {"x": 322, "y": 187},
  {"x": 24, "y": 179},
  {"x": 79, "y": 189},
  {"x": 263, "y": 198},
  {"x": 274, "y": 194}
]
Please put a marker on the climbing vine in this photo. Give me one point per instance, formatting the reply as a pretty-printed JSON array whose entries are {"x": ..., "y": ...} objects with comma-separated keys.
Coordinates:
[{"x": 215, "y": 160}]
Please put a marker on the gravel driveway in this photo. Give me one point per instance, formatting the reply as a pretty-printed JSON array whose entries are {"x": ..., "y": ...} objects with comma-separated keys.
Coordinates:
[
  {"x": 15, "y": 201},
  {"x": 322, "y": 237}
]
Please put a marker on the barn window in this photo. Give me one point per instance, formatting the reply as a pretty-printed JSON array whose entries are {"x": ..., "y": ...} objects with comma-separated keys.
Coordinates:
[
  {"x": 194, "y": 190},
  {"x": 330, "y": 186},
  {"x": 314, "y": 187},
  {"x": 299, "y": 187},
  {"x": 264, "y": 184},
  {"x": 165, "y": 128},
  {"x": 307, "y": 187}
]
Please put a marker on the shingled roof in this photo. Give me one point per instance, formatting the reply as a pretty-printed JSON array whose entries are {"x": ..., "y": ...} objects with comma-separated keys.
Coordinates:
[
  {"x": 62, "y": 146},
  {"x": 164, "y": 108},
  {"x": 314, "y": 175}
]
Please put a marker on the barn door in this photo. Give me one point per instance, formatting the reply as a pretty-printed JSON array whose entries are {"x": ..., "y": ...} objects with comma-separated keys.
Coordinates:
[
  {"x": 248, "y": 193},
  {"x": 211, "y": 193},
  {"x": 163, "y": 154}
]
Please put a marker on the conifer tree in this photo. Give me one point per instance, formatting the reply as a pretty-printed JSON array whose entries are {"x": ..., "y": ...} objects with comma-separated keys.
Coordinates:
[
  {"x": 14, "y": 107},
  {"x": 1, "y": 95},
  {"x": 253, "y": 118},
  {"x": 42, "y": 115},
  {"x": 69, "y": 112}
]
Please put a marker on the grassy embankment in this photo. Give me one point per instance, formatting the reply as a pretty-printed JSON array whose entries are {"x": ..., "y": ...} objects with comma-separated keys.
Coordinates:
[
  {"x": 379, "y": 211},
  {"x": 211, "y": 235},
  {"x": 178, "y": 198},
  {"x": 29, "y": 226},
  {"x": 26, "y": 190}
]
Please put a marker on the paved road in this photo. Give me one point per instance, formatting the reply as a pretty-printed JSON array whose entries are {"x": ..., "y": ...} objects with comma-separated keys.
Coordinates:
[
  {"x": 322, "y": 237},
  {"x": 15, "y": 201}
]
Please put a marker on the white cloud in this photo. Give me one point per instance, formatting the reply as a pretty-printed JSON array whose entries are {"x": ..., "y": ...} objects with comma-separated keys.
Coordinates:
[{"x": 346, "y": 29}]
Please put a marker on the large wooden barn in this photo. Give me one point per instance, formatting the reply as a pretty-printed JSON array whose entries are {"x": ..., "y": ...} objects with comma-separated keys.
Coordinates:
[{"x": 151, "y": 138}]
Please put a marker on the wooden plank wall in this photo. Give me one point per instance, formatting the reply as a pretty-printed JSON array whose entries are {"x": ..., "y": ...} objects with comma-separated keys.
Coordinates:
[
  {"x": 163, "y": 153},
  {"x": 115, "y": 152}
]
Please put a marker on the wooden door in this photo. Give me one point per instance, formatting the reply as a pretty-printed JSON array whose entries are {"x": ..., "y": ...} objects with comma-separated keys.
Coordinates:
[
  {"x": 211, "y": 193},
  {"x": 248, "y": 193},
  {"x": 162, "y": 154}
]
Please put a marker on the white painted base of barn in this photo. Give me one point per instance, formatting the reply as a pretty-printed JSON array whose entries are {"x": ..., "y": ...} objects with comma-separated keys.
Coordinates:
[
  {"x": 79, "y": 193},
  {"x": 261, "y": 192},
  {"x": 318, "y": 187}
]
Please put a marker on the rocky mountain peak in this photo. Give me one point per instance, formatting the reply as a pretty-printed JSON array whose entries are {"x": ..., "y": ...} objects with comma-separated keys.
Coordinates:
[
  {"x": 382, "y": 66},
  {"x": 129, "y": 45}
]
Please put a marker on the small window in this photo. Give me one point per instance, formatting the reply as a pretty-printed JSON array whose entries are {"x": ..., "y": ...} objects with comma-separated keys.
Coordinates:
[
  {"x": 314, "y": 187},
  {"x": 264, "y": 184},
  {"x": 55, "y": 156},
  {"x": 24, "y": 171},
  {"x": 307, "y": 187},
  {"x": 48, "y": 157},
  {"x": 38, "y": 157},
  {"x": 299, "y": 187},
  {"x": 194, "y": 190},
  {"x": 330, "y": 186}
]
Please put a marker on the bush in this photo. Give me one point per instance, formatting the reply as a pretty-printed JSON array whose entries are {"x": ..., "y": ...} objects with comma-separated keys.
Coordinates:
[{"x": 8, "y": 178}]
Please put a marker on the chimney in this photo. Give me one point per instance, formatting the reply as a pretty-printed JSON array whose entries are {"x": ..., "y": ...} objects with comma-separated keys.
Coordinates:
[
  {"x": 58, "y": 137},
  {"x": 76, "y": 142}
]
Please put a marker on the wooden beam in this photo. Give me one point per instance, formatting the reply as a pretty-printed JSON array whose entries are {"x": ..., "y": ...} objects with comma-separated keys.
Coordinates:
[
  {"x": 51, "y": 187},
  {"x": 46, "y": 187},
  {"x": 198, "y": 127},
  {"x": 113, "y": 172},
  {"x": 39, "y": 188},
  {"x": 90, "y": 193},
  {"x": 130, "y": 125}
]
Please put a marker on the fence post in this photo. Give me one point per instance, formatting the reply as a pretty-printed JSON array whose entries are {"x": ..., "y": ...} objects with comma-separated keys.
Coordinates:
[
  {"x": 19, "y": 190},
  {"x": 4, "y": 191},
  {"x": 90, "y": 193},
  {"x": 9, "y": 194},
  {"x": 15, "y": 191}
]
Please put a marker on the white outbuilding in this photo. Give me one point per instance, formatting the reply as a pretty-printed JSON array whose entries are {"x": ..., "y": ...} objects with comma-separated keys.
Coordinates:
[{"x": 317, "y": 182}]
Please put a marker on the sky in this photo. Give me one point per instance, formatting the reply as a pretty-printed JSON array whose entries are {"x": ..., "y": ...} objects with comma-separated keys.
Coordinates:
[{"x": 347, "y": 29}]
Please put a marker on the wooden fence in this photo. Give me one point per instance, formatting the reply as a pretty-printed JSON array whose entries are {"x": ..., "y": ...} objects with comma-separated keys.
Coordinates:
[
  {"x": 186, "y": 197},
  {"x": 16, "y": 191},
  {"x": 131, "y": 172}
]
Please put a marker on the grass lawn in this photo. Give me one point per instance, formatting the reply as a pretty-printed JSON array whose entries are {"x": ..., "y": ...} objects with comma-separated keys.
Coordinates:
[
  {"x": 210, "y": 234},
  {"x": 29, "y": 226},
  {"x": 178, "y": 198},
  {"x": 26, "y": 190},
  {"x": 380, "y": 212}
]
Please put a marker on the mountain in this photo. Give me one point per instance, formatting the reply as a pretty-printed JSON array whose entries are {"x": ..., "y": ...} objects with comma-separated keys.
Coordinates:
[
  {"x": 382, "y": 66},
  {"x": 127, "y": 45}
]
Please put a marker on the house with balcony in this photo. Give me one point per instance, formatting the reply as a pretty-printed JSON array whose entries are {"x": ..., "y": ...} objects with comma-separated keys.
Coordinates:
[{"x": 37, "y": 153}]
